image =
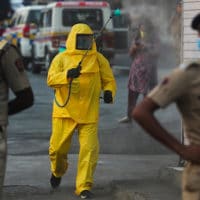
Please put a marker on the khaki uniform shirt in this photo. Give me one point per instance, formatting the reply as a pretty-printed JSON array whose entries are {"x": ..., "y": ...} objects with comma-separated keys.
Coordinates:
[
  {"x": 12, "y": 75},
  {"x": 182, "y": 87}
]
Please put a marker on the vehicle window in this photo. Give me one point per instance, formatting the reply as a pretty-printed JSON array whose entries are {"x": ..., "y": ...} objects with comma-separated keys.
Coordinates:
[
  {"x": 47, "y": 18},
  {"x": 92, "y": 17},
  {"x": 12, "y": 22},
  {"x": 22, "y": 19},
  {"x": 41, "y": 21},
  {"x": 34, "y": 16},
  {"x": 15, "y": 19},
  {"x": 18, "y": 20},
  {"x": 121, "y": 21}
]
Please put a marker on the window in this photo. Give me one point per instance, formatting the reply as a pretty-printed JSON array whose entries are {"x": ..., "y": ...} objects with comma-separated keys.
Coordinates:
[
  {"x": 47, "y": 18},
  {"x": 41, "y": 20},
  {"x": 22, "y": 18},
  {"x": 34, "y": 16},
  {"x": 121, "y": 21},
  {"x": 92, "y": 17},
  {"x": 13, "y": 21}
]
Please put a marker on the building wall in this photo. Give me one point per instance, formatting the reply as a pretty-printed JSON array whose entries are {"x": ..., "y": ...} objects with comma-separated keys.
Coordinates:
[{"x": 189, "y": 48}]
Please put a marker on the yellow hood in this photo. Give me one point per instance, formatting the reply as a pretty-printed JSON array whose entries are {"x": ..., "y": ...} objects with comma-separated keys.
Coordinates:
[{"x": 71, "y": 40}]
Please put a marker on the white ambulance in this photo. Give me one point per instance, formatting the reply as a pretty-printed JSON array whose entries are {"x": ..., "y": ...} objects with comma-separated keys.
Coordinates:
[
  {"x": 22, "y": 29},
  {"x": 56, "y": 21}
]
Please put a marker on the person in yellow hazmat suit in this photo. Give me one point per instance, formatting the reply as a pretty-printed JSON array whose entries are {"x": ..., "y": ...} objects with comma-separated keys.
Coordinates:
[{"x": 78, "y": 86}]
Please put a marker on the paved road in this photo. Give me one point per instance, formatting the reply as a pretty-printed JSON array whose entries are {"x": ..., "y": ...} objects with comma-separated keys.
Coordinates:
[
  {"x": 117, "y": 177},
  {"x": 30, "y": 130}
]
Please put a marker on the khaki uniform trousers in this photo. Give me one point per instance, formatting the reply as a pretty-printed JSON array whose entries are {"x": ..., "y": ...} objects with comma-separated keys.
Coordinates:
[
  {"x": 3, "y": 153},
  {"x": 62, "y": 131},
  {"x": 191, "y": 182}
]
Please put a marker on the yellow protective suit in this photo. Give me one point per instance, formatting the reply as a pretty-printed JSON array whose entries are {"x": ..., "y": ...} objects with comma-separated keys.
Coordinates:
[{"x": 82, "y": 110}]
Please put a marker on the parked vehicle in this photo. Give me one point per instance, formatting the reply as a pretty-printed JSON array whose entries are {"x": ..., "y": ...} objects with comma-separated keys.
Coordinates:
[
  {"x": 56, "y": 21},
  {"x": 22, "y": 29}
]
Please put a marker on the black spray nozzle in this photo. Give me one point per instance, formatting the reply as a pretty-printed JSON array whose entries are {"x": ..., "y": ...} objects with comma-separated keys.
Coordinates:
[{"x": 116, "y": 12}]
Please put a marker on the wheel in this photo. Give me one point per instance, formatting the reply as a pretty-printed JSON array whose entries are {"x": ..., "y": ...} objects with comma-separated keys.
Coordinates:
[
  {"x": 26, "y": 63},
  {"x": 25, "y": 60},
  {"x": 36, "y": 68},
  {"x": 48, "y": 58}
]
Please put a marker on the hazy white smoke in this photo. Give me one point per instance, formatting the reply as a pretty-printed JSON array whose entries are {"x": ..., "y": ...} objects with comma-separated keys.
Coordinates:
[
  {"x": 157, "y": 13},
  {"x": 160, "y": 13}
]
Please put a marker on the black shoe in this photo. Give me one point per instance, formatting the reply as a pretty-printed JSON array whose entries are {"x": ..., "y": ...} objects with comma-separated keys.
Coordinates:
[
  {"x": 86, "y": 194},
  {"x": 55, "y": 181}
]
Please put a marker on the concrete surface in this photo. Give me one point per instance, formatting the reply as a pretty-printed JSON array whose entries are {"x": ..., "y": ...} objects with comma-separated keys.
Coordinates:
[
  {"x": 123, "y": 177},
  {"x": 31, "y": 136}
]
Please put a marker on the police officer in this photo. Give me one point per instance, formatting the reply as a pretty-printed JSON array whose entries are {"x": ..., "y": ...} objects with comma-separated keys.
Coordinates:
[
  {"x": 12, "y": 76},
  {"x": 76, "y": 107},
  {"x": 182, "y": 87}
]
